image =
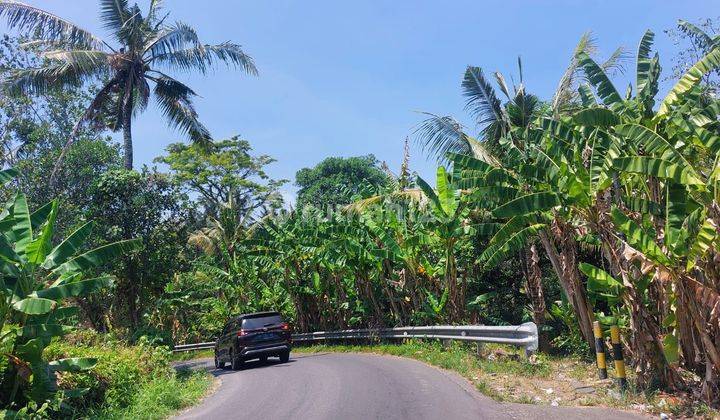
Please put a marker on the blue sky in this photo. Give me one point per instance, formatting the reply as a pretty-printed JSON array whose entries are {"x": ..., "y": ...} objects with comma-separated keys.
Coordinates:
[{"x": 345, "y": 78}]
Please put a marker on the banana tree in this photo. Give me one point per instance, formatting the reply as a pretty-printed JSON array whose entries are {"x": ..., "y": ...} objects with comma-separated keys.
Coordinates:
[
  {"x": 520, "y": 203},
  {"x": 36, "y": 280},
  {"x": 613, "y": 165},
  {"x": 504, "y": 136},
  {"x": 576, "y": 175},
  {"x": 449, "y": 223},
  {"x": 403, "y": 244},
  {"x": 284, "y": 246},
  {"x": 664, "y": 209}
]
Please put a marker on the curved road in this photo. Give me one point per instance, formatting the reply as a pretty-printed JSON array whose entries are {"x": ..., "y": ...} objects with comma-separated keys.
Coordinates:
[{"x": 360, "y": 386}]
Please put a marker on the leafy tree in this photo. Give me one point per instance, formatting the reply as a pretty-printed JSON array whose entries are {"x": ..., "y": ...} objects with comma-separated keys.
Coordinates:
[
  {"x": 336, "y": 180},
  {"x": 84, "y": 163},
  {"x": 33, "y": 131},
  {"x": 145, "y": 47},
  {"x": 144, "y": 205},
  {"x": 223, "y": 172}
]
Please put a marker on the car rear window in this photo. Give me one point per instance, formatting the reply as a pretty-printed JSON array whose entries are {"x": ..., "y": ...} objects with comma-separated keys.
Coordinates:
[{"x": 259, "y": 322}]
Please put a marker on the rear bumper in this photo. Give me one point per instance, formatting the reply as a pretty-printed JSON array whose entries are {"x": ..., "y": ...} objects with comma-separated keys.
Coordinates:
[{"x": 268, "y": 350}]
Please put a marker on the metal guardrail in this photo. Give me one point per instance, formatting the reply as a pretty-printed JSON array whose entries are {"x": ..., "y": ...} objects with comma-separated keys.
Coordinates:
[
  {"x": 525, "y": 335},
  {"x": 196, "y": 346}
]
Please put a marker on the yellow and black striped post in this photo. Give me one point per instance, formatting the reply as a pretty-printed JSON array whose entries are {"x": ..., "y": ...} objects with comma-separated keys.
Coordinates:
[
  {"x": 618, "y": 356},
  {"x": 600, "y": 350}
]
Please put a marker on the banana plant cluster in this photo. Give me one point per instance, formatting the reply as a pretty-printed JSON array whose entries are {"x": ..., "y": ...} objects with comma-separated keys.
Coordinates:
[
  {"x": 349, "y": 270},
  {"x": 37, "y": 280},
  {"x": 639, "y": 181},
  {"x": 402, "y": 256}
]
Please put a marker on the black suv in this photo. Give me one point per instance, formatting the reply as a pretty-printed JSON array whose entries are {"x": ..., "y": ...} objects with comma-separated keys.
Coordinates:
[{"x": 253, "y": 336}]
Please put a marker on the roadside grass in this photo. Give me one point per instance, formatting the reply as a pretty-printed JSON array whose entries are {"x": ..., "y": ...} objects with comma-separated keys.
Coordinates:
[
  {"x": 161, "y": 397},
  {"x": 506, "y": 375},
  {"x": 128, "y": 381}
]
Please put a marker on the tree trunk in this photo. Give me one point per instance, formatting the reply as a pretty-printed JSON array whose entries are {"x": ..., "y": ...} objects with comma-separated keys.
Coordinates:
[
  {"x": 533, "y": 279},
  {"x": 455, "y": 299},
  {"x": 570, "y": 282},
  {"x": 127, "y": 133},
  {"x": 649, "y": 360}
]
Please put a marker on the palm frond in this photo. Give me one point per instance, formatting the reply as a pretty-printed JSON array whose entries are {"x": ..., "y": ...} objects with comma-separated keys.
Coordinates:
[
  {"x": 481, "y": 100},
  {"x": 174, "y": 100},
  {"x": 114, "y": 14},
  {"x": 88, "y": 62},
  {"x": 413, "y": 194},
  {"x": 439, "y": 135},
  {"x": 44, "y": 25},
  {"x": 152, "y": 19},
  {"x": 170, "y": 39},
  {"x": 142, "y": 96},
  {"x": 566, "y": 91},
  {"x": 68, "y": 68},
  {"x": 134, "y": 31},
  {"x": 615, "y": 64},
  {"x": 503, "y": 85},
  {"x": 523, "y": 109},
  {"x": 205, "y": 57},
  {"x": 92, "y": 114}
]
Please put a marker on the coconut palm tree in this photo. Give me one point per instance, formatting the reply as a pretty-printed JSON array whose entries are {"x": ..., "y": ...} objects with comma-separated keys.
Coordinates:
[
  {"x": 495, "y": 120},
  {"x": 143, "y": 47}
]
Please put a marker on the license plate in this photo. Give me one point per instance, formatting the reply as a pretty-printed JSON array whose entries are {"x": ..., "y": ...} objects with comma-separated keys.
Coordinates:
[{"x": 266, "y": 336}]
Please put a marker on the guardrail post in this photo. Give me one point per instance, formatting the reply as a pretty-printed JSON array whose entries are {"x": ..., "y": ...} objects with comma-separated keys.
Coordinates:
[
  {"x": 618, "y": 356},
  {"x": 600, "y": 350},
  {"x": 479, "y": 348}
]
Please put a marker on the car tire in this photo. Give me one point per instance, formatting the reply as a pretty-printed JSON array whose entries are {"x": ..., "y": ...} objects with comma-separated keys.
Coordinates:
[
  {"x": 236, "y": 362},
  {"x": 218, "y": 363},
  {"x": 284, "y": 357}
]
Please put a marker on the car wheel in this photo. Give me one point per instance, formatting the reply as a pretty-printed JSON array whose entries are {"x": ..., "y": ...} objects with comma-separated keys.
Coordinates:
[
  {"x": 284, "y": 357},
  {"x": 236, "y": 363},
  {"x": 218, "y": 363}
]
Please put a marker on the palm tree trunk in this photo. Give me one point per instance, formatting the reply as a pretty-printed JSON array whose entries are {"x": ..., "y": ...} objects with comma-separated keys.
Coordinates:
[{"x": 127, "y": 133}]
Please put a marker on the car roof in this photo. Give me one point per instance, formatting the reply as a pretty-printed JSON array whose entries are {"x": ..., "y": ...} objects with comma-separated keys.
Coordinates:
[{"x": 257, "y": 315}]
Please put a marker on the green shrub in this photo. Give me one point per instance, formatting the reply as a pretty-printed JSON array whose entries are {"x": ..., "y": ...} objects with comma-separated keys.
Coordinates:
[
  {"x": 160, "y": 397},
  {"x": 118, "y": 377}
]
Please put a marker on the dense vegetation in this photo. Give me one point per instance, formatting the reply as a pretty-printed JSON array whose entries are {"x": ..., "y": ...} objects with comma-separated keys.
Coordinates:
[{"x": 590, "y": 205}]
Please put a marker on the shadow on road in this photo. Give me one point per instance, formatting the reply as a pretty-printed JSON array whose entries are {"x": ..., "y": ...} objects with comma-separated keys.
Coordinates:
[
  {"x": 250, "y": 365},
  {"x": 309, "y": 355},
  {"x": 207, "y": 364}
]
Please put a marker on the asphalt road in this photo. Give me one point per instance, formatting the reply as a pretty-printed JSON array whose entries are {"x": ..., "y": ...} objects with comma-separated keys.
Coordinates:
[{"x": 360, "y": 386}]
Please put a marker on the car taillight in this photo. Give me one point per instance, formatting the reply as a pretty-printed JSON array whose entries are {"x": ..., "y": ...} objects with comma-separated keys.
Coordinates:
[
  {"x": 242, "y": 333},
  {"x": 284, "y": 326}
]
